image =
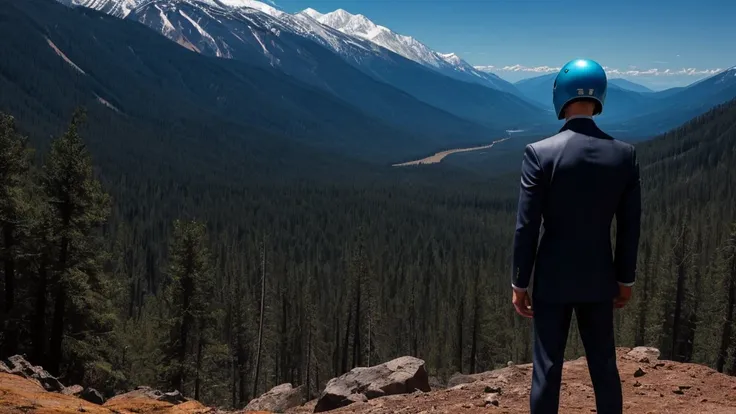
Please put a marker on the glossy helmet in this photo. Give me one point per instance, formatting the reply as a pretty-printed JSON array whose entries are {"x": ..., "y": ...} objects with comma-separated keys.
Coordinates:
[{"x": 579, "y": 79}]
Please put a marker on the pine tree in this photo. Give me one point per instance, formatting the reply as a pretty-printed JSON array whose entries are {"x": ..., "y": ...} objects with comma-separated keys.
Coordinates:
[
  {"x": 83, "y": 315},
  {"x": 189, "y": 298},
  {"x": 262, "y": 315},
  {"x": 729, "y": 271},
  {"x": 14, "y": 221}
]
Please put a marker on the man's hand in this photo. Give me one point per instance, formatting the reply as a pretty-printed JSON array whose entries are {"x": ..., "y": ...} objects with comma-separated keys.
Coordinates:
[
  {"x": 624, "y": 295},
  {"x": 522, "y": 304}
]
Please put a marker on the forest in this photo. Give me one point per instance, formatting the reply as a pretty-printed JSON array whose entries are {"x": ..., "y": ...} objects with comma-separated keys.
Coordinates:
[{"x": 223, "y": 289}]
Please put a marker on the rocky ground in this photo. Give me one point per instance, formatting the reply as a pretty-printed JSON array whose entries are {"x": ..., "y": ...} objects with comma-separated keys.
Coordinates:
[{"x": 650, "y": 386}]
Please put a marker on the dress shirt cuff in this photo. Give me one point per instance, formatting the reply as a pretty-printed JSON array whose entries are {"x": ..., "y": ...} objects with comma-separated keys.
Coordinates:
[
  {"x": 626, "y": 284},
  {"x": 518, "y": 289}
]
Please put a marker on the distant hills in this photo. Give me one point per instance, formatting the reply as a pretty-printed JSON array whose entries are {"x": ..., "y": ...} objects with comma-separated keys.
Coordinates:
[
  {"x": 634, "y": 112},
  {"x": 629, "y": 85}
]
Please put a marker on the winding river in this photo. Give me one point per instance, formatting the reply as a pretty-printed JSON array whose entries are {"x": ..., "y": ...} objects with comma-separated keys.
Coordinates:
[{"x": 438, "y": 157}]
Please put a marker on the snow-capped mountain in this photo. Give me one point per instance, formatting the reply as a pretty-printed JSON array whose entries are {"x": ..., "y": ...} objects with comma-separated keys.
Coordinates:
[
  {"x": 121, "y": 8},
  {"x": 448, "y": 64},
  {"x": 352, "y": 25},
  {"x": 117, "y": 8},
  {"x": 316, "y": 53}
]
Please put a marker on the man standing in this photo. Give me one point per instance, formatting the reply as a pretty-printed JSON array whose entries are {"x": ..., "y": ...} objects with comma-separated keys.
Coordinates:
[{"x": 573, "y": 184}]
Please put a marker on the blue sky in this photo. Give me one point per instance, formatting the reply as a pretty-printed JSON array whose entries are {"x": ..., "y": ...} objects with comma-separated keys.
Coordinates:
[{"x": 523, "y": 36}]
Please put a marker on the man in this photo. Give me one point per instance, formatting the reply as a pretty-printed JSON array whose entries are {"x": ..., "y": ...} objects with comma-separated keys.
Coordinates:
[{"x": 573, "y": 184}]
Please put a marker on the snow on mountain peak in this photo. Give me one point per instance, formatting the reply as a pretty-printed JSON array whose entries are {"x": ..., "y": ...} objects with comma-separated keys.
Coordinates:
[
  {"x": 312, "y": 13},
  {"x": 252, "y": 4},
  {"x": 360, "y": 26},
  {"x": 449, "y": 63},
  {"x": 119, "y": 8},
  {"x": 451, "y": 58},
  {"x": 350, "y": 35}
]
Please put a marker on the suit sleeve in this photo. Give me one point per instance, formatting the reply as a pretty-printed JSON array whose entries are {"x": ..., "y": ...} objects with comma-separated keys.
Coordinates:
[
  {"x": 529, "y": 218},
  {"x": 628, "y": 223}
]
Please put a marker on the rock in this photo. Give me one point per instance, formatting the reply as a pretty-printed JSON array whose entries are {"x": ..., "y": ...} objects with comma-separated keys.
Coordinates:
[
  {"x": 278, "y": 399},
  {"x": 637, "y": 384},
  {"x": 639, "y": 373},
  {"x": 73, "y": 390},
  {"x": 173, "y": 397},
  {"x": 142, "y": 391},
  {"x": 458, "y": 379},
  {"x": 644, "y": 354},
  {"x": 494, "y": 390},
  {"x": 399, "y": 376},
  {"x": 492, "y": 399},
  {"x": 93, "y": 396},
  {"x": 17, "y": 365},
  {"x": 678, "y": 391}
]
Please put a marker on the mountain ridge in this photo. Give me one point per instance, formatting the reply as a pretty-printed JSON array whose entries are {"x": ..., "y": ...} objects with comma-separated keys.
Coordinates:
[
  {"x": 409, "y": 47},
  {"x": 287, "y": 43}
]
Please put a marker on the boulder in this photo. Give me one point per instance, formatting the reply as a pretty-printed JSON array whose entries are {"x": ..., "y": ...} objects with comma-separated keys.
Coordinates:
[
  {"x": 172, "y": 397},
  {"x": 17, "y": 365},
  {"x": 400, "y": 376},
  {"x": 93, "y": 396},
  {"x": 73, "y": 390},
  {"x": 644, "y": 354},
  {"x": 278, "y": 399},
  {"x": 143, "y": 391}
]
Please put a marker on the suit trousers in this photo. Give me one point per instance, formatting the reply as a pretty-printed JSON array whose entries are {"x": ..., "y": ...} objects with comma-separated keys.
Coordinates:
[{"x": 551, "y": 326}]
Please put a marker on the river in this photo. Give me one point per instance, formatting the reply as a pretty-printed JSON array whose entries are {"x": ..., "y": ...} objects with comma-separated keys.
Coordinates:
[{"x": 438, "y": 157}]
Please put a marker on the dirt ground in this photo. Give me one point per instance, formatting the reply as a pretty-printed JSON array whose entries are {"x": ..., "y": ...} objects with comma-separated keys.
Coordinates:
[{"x": 665, "y": 387}]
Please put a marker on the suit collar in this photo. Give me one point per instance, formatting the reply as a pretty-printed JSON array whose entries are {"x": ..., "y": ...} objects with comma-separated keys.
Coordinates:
[{"x": 586, "y": 126}]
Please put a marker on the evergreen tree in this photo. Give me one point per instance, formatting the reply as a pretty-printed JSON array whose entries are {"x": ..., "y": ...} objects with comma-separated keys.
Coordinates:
[
  {"x": 189, "y": 303},
  {"x": 84, "y": 319},
  {"x": 15, "y": 164}
]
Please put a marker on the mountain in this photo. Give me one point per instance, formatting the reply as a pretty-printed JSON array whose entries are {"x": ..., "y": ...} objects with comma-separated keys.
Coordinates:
[
  {"x": 150, "y": 97},
  {"x": 314, "y": 53},
  {"x": 449, "y": 64},
  {"x": 673, "y": 108},
  {"x": 629, "y": 85},
  {"x": 634, "y": 115},
  {"x": 117, "y": 8},
  {"x": 235, "y": 34},
  {"x": 620, "y": 102}
]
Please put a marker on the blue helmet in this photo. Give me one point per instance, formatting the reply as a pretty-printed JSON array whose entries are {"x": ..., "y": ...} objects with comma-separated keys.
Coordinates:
[{"x": 579, "y": 79}]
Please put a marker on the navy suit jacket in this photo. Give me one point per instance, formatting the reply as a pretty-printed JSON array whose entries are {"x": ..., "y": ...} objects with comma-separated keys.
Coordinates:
[{"x": 573, "y": 184}]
